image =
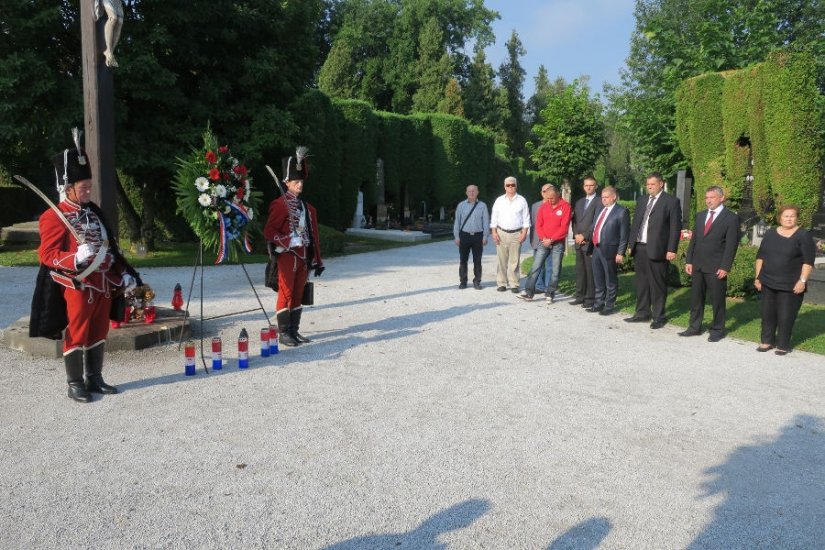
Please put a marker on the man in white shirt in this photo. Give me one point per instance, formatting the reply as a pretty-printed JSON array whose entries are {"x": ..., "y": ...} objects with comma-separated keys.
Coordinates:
[{"x": 509, "y": 224}]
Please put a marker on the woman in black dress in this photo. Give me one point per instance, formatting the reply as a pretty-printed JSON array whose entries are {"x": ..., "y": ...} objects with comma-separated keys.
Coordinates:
[{"x": 783, "y": 264}]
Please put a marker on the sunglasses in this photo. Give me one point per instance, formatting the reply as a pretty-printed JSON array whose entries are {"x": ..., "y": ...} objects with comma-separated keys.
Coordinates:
[{"x": 509, "y": 185}]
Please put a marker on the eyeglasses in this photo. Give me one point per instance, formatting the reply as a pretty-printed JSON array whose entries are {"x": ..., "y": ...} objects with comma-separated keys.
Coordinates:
[{"x": 509, "y": 185}]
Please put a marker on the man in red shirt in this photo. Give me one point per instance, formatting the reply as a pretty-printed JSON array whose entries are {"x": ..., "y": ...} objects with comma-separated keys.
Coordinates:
[{"x": 552, "y": 223}]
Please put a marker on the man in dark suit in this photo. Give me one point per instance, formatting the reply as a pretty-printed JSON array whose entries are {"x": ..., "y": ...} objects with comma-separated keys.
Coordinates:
[
  {"x": 608, "y": 234},
  {"x": 709, "y": 260},
  {"x": 654, "y": 237},
  {"x": 583, "y": 217}
]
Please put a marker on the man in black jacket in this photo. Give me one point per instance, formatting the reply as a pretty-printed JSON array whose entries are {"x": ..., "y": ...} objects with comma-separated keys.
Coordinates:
[
  {"x": 709, "y": 260},
  {"x": 654, "y": 238},
  {"x": 583, "y": 218}
]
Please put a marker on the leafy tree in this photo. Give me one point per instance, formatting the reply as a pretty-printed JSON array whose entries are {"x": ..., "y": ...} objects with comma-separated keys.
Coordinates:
[
  {"x": 511, "y": 76},
  {"x": 538, "y": 100},
  {"x": 383, "y": 39},
  {"x": 40, "y": 89},
  {"x": 432, "y": 70},
  {"x": 478, "y": 92},
  {"x": 174, "y": 79},
  {"x": 677, "y": 39},
  {"x": 570, "y": 136},
  {"x": 451, "y": 103}
]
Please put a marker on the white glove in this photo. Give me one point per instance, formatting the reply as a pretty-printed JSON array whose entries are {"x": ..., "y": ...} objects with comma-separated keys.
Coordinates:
[
  {"x": 84, "y": 252},
  {"x": 129, "y": 282}
]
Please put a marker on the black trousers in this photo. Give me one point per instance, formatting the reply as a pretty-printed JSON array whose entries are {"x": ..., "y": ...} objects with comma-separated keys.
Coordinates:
[
  {"x": 585, "y": 287},
  {"x": 651, "y": 285},
  {"x": 606, "y": 279},
  {"x": 779, "y": 309},
  {"x": 467, "y": 243},
  {"x": 701, "y": 285}
]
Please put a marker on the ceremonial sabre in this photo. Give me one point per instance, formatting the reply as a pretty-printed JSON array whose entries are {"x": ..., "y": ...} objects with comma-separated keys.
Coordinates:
[
  {"x": 54, "y": 207},
  {"x": 278, "y": 183}
]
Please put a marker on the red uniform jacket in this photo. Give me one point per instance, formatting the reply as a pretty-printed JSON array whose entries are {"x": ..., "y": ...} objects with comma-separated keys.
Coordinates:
[
  {"x": 278, "y": 231},
  {"x": 58, "y": 247}
]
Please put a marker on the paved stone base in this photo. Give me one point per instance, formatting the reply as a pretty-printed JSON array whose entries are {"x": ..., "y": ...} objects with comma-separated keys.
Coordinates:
[
  {"x": 133, "y": 336},
  {"x": 390, "y": 235},
  {"x": 20, "y": 234}
]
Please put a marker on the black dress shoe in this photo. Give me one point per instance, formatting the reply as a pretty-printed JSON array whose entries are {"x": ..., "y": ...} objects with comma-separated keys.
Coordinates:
[
  {"x": 587, "y": 305},
  {"x": 637, "y": 319},
  {"x": 762, "y": 349},
  {"x": 501, "y": 288},
  {"x": 607, "y": 311},
  {"x": 658, "y": 324},
  {"x": 462, "y": 285},
  {"x": 594, "y": 309},
  {"x": 515, "y": 290},
  {"x": 689, "y": 332},
  {"x": 477, "y": 286},
  {"x": 715, "y": 336},
  {"x": 781, "y": 352},
  {"x": 576, "y": 302}
]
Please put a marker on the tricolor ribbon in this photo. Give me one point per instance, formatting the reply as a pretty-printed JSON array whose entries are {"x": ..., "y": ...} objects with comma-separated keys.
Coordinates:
[{"x": 226, "y": 237}]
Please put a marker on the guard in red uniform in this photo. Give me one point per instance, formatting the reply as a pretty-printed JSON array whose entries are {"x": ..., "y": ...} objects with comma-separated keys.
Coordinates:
[
  {"x": 81, "y": 271},
  {"x": 292, "y": 229}
]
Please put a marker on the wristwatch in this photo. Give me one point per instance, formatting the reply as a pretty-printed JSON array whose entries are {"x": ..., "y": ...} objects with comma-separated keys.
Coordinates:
[{"x": 803, "y": 280}]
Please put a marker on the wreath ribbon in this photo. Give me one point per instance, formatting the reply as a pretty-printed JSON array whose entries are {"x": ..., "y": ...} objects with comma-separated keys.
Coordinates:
[{"x": 226, "y": 236}]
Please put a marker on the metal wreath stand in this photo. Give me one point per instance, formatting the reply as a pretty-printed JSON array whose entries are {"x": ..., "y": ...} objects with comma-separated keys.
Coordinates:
[{"x": 199, "y": 264}]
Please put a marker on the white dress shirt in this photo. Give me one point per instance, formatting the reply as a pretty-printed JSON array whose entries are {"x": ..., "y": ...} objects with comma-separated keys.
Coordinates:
[{"x": 510, "y": 214}]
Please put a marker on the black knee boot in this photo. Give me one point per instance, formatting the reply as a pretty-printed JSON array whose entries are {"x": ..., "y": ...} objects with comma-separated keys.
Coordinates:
[
  {"x": 74, "y": 376},
  {"x": 286, "y": 338},
  {"x": 294, "y": 323},
  {"x": 94, "y": 370}
]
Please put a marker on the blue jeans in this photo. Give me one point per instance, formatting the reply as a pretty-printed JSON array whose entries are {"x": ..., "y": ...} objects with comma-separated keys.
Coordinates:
[
  {"x": 544, "y": 278},
  {"x": 553, "y": 253}
]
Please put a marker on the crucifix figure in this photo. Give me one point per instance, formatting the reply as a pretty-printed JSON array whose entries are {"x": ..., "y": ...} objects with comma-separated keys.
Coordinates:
[{"x": 114, "y": 22}]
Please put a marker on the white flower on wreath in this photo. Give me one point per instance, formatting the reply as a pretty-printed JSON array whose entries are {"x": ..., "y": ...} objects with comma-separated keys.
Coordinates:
[
  {"x": 202, "y": 184},
  {"x": 220, "y": 191},
  {"x": 204, "y": 199},
  {"x": 227, "y": 209},
  {"x": 249, "y": 213}
]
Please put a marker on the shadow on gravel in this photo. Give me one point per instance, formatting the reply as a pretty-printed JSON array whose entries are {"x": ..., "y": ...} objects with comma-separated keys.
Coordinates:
[
  {"x": 774, "y": 492},
  {"x": 587, "y": 535},
  {"x": 425, "y": 536},
  {"x": 381, "y": 298}
]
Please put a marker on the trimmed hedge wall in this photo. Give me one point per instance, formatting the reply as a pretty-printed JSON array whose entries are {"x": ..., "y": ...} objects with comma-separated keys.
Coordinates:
[{"x": 774, "y": 107}]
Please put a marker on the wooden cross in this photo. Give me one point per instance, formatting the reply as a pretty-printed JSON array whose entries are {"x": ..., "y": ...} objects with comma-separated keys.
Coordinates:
[{"x": 99, "y": 111}]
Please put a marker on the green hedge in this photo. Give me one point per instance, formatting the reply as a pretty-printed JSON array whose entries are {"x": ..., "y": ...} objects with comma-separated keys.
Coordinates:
[
  {"x": 773, "y": 106},
  {"x": 740, "y": 278},
  {"x": 332, "y": 240}
]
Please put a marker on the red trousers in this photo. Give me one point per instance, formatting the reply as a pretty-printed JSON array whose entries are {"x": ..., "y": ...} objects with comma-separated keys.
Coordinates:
[
  {"x": 292, "y": 276},
  {"x": 88, "y": 313}
]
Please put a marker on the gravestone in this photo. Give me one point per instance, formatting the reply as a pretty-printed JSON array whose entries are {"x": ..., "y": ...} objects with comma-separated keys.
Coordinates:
[
  {"x": 818, "y": 225},
  {"x": 684, "y": 185},
  {"x": 380, "y": 198}
]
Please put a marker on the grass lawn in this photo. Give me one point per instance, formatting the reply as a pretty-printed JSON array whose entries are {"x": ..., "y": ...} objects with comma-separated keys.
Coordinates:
[
  {"x": 186, "y": 254},
  {"x": 743, "y": 314}
]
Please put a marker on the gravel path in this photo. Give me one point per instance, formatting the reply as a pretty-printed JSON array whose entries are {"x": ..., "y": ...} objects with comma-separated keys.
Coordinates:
[{"x": 422, "y": 416}]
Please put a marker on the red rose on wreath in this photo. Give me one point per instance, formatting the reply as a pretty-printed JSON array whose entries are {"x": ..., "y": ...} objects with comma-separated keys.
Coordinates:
[
  {"x": 239, "y": 193},
  {"x": 214, "y": 174},
  {"x": 211, "y": 157},
  {"x": 223, "y": 149},
  {"x": 240, "y": 169}
]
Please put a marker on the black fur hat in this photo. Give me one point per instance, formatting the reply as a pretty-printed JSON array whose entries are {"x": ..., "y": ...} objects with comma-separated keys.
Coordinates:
[
  {"x": 71, "y": 165},
  {"x": 296, "y": 167}
]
